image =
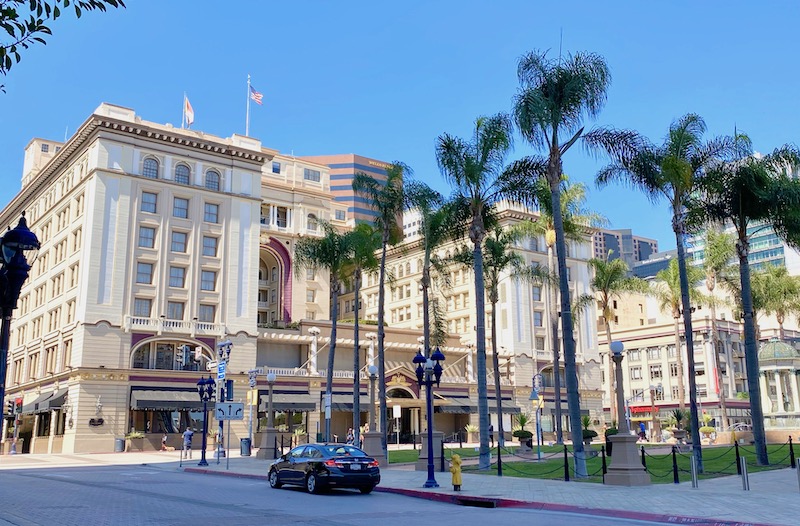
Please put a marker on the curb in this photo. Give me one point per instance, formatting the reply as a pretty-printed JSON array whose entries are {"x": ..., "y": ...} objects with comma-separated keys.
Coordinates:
[{"x": 491, "y": 502}]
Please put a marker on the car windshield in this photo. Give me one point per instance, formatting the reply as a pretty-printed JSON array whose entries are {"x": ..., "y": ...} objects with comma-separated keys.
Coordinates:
[{"x": 343, "y": 451}]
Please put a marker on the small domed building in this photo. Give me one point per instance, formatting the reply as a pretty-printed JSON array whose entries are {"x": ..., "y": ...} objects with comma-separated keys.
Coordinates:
[{"x": 779, "y": 366}]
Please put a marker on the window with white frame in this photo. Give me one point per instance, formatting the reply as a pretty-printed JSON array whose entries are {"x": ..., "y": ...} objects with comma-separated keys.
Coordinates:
[
  {"x": 340, "y": 215},
  {"x": 144, "y": 273},
  {"x": 636, "y": 373},
  {"x": 206, "y": 313},
  {"x": 311, "y": 223},
  {"x": 210, "y": 246},
  {"x": 147, "y": 237},
  {"x": 175, "y": 310},
  {"x": 180, "y": 207},
  {"x": 538, "y": 318},
  {"x": 208, "y": 280},
  {"x": 150, "y": 168},
  {"x": 179, "y": 241},
  {"x": 149, "y": 200},
  {"x": 311, "y": 175},
  {"x": 212, "y": 180},
  {"x": 177, "y": 277},
  {"x": 311, "y": 296},
  {"x": 182, "y": 174},
  {"x": 142, "y": 307},
  {"x": 276, "y": 167},
  {"x": 211, "y": 213}
]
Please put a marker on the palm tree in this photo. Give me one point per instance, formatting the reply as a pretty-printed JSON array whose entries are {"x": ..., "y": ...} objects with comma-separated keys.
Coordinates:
[
  {"x": 576, "y": 220},
  {"x": 332, "y": 252},
  {"x": 387, "y": 200},
  {"x": 554, "y": 97},
  {"x": 365, "y": 242},
  {"x": 717, "y": 254},
  {"x": 669, "y": 171},
  {"x": 500, "y": 259},
  {"x": 475, "y": 169},
  {"x": 753, "y": 194},
  {"x": 610, "y": 282},
  {"x": 783, "y": 294},
  {"x": 669, "y": 293}
]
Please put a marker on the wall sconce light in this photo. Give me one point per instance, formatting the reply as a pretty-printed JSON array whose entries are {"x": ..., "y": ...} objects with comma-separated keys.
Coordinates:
[{"x": 98, "y": 406}]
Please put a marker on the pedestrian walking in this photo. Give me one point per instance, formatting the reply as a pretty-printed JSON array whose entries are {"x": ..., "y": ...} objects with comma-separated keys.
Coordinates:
[
  {"x": 187, "y": 442},
  {"x": 491, "y": 434},
  {"x": 351, "y": 437},
  {"x": 164, "y": 442}
]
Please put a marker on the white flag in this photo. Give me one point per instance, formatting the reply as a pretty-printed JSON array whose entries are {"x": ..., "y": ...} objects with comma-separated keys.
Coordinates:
[{"x": 188, "y": 111}]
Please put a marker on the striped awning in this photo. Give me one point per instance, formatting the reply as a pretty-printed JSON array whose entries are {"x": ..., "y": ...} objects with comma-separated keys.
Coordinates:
[
  {"x": 46, "y": 402},
  {"x": 299, "y": 402}
]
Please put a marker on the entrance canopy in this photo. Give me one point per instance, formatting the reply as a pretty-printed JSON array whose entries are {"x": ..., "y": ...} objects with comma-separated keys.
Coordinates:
[
  {"x": 46, "y": 402},
  {"x": 166, "y": 400}
]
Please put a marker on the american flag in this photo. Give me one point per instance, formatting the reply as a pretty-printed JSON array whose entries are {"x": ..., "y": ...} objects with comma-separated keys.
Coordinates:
[{"x": 256, "y": 96}]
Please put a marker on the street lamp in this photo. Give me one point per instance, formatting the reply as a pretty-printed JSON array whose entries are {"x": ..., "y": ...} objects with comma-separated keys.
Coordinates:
[
  {"x": 656, "y": 422},
  {"x": 373, "y": 375},
  {"x": 205, "y": 388},
  {"x": 270, "y": 415},
  {"x": 427, "y": 375},
  {"x": 18, "y": 250},
  {"x": 626, "y": 468},
  {"x": 223, "y": 357}
]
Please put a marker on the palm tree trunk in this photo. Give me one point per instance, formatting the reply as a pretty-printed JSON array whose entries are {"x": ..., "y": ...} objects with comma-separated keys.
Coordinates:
[
  {"x": 381, "y": 337},
  {"x": 356, "y": 364},
  {"x": 715, "y": 343},
  {"x": 498, "y": 400},
  {"x": 570, "y": 368},
  {"x": 610, "y": 376},
  {"x": 480, "y": 345},
  {"x": 751, "y": 354},
  {"x": 331, "y": 354},
  {"x": 679, "y": 356},
  {"x": 689, "y": 336},
  {"x": 556, "y": 343}
]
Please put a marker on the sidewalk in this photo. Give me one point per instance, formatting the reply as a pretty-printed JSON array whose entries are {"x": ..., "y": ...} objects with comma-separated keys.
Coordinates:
[{"x": 774, "y": 497}]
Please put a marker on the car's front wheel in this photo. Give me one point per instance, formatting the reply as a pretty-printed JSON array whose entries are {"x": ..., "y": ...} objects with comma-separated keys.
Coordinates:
[
  {"x": 274, "y": 481},
  {"x": 312, "y": 483},
  {"x": 366, "y": 489}
]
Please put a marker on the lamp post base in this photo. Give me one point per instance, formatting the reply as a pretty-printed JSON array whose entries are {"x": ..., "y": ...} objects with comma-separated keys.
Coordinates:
[
  {"x": 371, "y": 445},
  {"x": 267, "y": 451},
  {"x": 626, "y": 466},
  {"x": 422, "y": 461}
]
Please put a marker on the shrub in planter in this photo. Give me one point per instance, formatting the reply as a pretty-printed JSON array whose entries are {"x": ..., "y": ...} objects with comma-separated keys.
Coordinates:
[
  {"x": 522, "y": 434},
  {"x": 589, "y": 434}
]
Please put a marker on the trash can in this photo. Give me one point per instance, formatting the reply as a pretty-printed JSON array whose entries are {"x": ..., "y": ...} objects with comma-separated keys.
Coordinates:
[
  {"x": 119, "y": 445},
  {"x": 244, "y": 445}
]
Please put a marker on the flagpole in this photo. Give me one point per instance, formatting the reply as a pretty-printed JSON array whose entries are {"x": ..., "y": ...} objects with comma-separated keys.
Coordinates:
[
  {"x": 247, "y": 119},
  {"x": 183, "y": 110}
]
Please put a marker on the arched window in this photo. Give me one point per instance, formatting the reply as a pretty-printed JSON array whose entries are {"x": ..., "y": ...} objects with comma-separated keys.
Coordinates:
[
  {"x": 182, "y": 174},
  {"x": 212, "y": 180},
  {"x": 533, "y": 244},
  {"x": 311, "y": 223},
  {"x": 419, "y": 265},
  {"x": 274, "y": 273},
  {"x": 408, "y": 268},
  {"x": 400, "y": 271},
  {"x": 566, "y": 250},
  {"x": 150, "y": 168}
]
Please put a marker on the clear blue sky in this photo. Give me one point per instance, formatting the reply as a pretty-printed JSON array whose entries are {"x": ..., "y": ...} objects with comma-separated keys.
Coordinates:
[{"x": 384, "y": 79}]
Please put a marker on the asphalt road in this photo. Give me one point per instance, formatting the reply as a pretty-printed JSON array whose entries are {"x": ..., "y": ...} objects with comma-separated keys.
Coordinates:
[{"x": 141, "y": 495}]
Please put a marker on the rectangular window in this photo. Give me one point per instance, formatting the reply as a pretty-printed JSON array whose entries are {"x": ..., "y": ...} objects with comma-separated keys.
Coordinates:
[
  {"x": 180, "y": 207},
  {"x": 634, "y": 355},
  {"x": 179, "y": 241},
  {"x": 276, "y": 167},
  {"x": 538, "y": 317},
  {"x": 311, "y": 175},
  {"x": 655, "y": 372},
  {"x": 537, "y": 293},
  {"x": 45, "y": 148},
  {"x": 340, "y": 215},
  {"x": 174, "y": 310},
  {"x": 673, "y": 369},
  {"x": 539, "y": 343},
  {"x": 210, "y": 246},
  {"x": 149, "y": 201},
  {"x": 206, "y": 313},
  {"x": 636, "y": 373},
  {"x": 208, "y": 280},
  {"x": 177, "y": 276},
  {"x": 211, "y": 213},
  {"x": 147, "y": 237},
  {"x": 142, "y": 307},
  {"x": 654, "y": 353},
  {"x": 144, "y": 273},
  {"x": 310, "y": 297},
  {"x": 310, "y": 274}
]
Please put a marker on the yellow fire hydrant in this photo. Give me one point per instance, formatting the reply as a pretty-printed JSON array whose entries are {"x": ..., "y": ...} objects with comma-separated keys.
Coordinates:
[{"x": 455, "y": 470}]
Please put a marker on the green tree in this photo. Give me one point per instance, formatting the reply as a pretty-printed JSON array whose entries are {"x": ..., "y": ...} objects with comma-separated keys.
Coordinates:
[
  {"x": 332, "y": 252},
  {"x": 26, "y": 22},
  {"x": 783, "y": 294},
  {"x": 386, "y": 198},
  {"x": 500, "y": 260},
  {"x": 752, "y": 194},
  {"x": 365, "y": 241},
  {"x": 610, "y": 282},
  {"x": 670, "y": 171},
  {"x": 554, "y": 97},
  {"x": 718, "y": 252},
  {"x": 476, "y": 171}
]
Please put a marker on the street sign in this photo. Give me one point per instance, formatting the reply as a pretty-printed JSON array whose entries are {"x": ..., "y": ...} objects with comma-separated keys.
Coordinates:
[
  {"x": 211, "y": 365},
  {"x": 229, "y": 411},
  {"x": 221, "y": 371}
]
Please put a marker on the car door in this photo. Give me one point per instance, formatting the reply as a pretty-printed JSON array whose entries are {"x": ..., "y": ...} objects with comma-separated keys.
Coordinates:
[{"x": 295, "y": 469}]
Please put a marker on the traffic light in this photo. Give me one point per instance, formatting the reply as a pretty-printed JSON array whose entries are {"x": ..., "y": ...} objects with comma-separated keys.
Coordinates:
[
  {"x": 10, "y": 407},
  {"x": 18, "y": 405},
  {"x": 229, "y": 390}
]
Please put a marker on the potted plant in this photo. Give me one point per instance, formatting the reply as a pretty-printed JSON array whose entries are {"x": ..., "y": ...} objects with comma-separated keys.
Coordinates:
[
  {"x": 611, "y": 431},
  {"x": 588, "y": 434},
  {"x": 678, "y": 416},
  {"x": 519, "y": 431},
  {"x": 134, "y": 441},
  {"x": 472, "y": 433}
]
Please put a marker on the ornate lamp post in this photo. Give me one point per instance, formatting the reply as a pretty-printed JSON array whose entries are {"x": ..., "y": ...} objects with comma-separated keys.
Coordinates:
[
  {"x": 626, "y": 468},
  {"x": 429, "y": 372},
  {"x": 271, "y": 377},
  {"x": 653, "y": 411},
  {"x": 268, "y": 448},
  {"x": 18, "y": 250},
  {"x": 206, "y": 389}
]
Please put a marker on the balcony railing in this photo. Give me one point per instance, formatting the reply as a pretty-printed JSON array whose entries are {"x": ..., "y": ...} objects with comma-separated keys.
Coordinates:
[{"x": 162, "y": 325}]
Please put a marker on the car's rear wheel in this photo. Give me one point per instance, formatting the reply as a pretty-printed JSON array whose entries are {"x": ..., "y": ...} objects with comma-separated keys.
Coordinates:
[
  {"x": 366, "y": 489},
  {"x": 274, "y": 481},
  {"x": 312, "y": 483}
]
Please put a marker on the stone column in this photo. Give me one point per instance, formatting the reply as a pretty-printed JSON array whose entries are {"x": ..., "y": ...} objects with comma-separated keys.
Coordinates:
[
  {"x": 779, "y": 391},
  {"x": 795, "y": 394},
  {"x": 766, "y": 401}
]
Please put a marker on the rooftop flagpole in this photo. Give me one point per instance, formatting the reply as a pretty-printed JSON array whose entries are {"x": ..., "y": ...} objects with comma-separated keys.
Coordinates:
[
  {"x": 247, "y": 119},
  {"x": 183, "y": 110}
]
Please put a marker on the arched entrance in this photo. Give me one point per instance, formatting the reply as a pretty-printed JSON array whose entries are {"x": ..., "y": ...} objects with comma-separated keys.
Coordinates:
[
  {"x": 402, "y": 415},
  {"x": 274, "y": 284}
]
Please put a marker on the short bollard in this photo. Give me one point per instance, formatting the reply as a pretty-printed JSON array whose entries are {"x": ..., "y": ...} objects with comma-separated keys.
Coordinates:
[
  {"x": 792, "y": 461},
  {"x": 455, "y": 471},
  {"x": 275, "y": 449},
  {"x": 605, "y": 467},
  {"x": 798, "y": 478},
  {"x": 566, "y": 465},
  {"x": 675, "y": 478},
  {"x": 745, "y": 478},
  {"x": 738, "y": 465},
  {"x": 644, "y": 462},
  {"x": 694, "y": 472}
]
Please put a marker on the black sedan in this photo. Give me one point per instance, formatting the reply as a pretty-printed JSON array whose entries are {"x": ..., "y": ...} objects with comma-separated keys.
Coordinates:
[{"x": 321, "y": 466}]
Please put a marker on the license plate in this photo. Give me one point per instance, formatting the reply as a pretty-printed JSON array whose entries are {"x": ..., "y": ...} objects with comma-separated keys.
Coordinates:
[{"x": 355, "y": 467}]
